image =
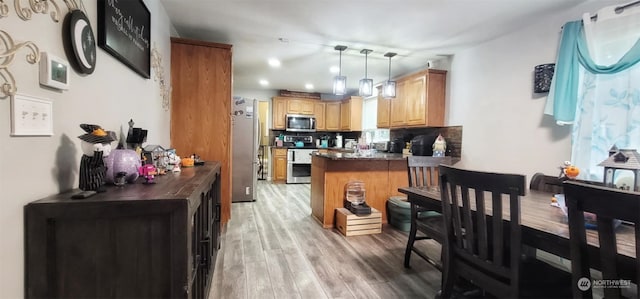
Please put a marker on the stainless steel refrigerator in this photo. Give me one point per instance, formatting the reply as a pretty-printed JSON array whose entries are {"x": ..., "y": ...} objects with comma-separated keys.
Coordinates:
[{"x": 245, "y": 137}]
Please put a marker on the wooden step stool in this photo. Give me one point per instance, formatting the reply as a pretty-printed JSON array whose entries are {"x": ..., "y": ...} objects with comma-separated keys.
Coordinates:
[{"x": 350, "y": 224}]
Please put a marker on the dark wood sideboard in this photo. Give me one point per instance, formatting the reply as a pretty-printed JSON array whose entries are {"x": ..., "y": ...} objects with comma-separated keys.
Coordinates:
[{"x": 137, "y": 241}]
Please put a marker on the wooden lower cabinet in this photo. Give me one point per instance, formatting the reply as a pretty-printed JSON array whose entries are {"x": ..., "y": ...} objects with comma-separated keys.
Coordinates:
[
  {"x": 138, "y": 241},
  {"x": 382, "y": 178},
  {"x": 279, "y": 165}
]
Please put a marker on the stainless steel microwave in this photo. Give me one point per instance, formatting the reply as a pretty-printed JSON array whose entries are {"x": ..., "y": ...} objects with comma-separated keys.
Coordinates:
[{"x": 300, "y": 123}]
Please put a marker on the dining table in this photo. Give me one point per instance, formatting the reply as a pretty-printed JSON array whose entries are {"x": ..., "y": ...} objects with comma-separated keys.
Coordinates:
[{"x": 544, "y": 226}]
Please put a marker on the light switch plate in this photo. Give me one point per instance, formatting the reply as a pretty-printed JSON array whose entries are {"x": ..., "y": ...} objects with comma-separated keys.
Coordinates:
[{"x": 31, "y": 116}]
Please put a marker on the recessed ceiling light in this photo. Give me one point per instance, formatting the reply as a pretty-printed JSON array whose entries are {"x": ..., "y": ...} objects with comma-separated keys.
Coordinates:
[
  {"x": 308, "y": 86},
  {"x": 274, "y": 62},
  {"x": 264, "y": 82},
  {"x": 334, "y": 69}
]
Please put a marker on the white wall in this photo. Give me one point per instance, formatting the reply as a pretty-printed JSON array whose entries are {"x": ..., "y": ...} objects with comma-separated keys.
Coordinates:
[
  {"x": 36, "y": 167},
  {"x": 491, "y": 95}
]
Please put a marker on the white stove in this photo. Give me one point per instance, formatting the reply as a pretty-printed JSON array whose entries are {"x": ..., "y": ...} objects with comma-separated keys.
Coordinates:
[{"x": 299, "y": 165}]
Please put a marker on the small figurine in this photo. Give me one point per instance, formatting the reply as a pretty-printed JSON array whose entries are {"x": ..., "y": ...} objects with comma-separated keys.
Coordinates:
[
  {"x": 439, "y": 146},
  {"x": 96, "y": 145},
  {"x": 174, "y": 160},
  {"x": 568, "y": 171},
  {"x": 148, "y": 171}
]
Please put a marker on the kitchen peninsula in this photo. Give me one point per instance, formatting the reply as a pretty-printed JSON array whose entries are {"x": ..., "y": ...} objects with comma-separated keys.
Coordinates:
[{"x": 382, "y": 174}]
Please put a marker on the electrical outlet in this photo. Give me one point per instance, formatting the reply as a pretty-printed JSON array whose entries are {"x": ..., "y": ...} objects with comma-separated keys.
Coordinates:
[
  {"x": 31, "y": 116},
  {"x": 247, "y": 190}
]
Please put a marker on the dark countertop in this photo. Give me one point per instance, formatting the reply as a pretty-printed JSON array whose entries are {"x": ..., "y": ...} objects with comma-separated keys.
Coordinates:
[
  {"x": 351, "y": 156},
  {"x": 335, "y": 149}
]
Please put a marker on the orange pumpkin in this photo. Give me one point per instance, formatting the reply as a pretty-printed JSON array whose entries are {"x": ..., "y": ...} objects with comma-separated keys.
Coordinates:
[{"x": 571, "y": 171}]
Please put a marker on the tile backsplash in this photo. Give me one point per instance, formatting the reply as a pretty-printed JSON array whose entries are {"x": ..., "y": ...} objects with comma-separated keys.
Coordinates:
[{"x": 452, "y": 135}]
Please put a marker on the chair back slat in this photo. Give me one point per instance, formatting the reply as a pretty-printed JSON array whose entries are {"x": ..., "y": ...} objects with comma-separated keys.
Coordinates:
[
  {"x": 469, "y": 235},
  {"x": 637, "y": 265},
  {"x": 423, "y": 170},
  {"x": 496, "y": 228},
  {"x": 456, "y": 217},
  {"x": 479, "y": 247},
  {"x": 515, "y": 233},
  {"x": 483, "y": 239},
  {"x": 607, "y": 204}
]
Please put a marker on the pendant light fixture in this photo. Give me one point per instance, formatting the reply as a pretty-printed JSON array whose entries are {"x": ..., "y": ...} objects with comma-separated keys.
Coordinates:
[
  {"x": 366, "y": 84},
  {"x": 389, "y": 87},
  {"x": 340, "y": 82}
]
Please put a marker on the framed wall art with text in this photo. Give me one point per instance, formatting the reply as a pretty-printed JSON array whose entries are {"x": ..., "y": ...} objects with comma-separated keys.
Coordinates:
[{"x": 124, "y": 31}]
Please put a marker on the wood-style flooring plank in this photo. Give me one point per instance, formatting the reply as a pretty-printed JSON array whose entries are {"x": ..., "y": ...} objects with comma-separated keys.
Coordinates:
[
  {"x": 281, "y": 276},
  {"x": 258, "y": 284},
  {"x": 308, "y": 285},
  {"x": 362, "y": 289},
  {"x": 273, "y": 248}
]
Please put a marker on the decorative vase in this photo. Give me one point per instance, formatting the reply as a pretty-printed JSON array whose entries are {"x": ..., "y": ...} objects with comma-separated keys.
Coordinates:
[{"x": 122, "y": 160}]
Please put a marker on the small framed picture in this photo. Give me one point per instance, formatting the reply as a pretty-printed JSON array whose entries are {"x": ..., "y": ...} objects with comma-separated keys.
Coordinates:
[
  {"x": 54, "y": 71},
  {"x": 31, "y": 116}
]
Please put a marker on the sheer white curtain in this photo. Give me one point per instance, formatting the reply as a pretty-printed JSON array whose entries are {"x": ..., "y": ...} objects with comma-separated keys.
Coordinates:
[{"x": 608, "y": 104}]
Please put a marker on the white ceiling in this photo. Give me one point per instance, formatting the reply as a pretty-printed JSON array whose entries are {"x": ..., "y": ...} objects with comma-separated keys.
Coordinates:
[{"x": 303, "y": 34}]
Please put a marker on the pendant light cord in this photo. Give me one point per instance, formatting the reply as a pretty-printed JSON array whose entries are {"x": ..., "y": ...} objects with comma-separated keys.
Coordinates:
[
  {"x": 389, "y": 69},
  {"x": 340, "y": 65},
  {"x": 365, "y": 65}
]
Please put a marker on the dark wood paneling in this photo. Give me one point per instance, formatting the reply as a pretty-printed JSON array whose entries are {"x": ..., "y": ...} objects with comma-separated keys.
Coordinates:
[{"x": 129, "y": 242}]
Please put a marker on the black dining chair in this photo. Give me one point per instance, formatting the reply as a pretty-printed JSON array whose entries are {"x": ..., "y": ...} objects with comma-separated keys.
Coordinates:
[
  {"x": 546, "y": 183},
  {"x": 610, "y": 206},
  {"x": 484, "y": 248},
  {"x": 423, "y": 172}
]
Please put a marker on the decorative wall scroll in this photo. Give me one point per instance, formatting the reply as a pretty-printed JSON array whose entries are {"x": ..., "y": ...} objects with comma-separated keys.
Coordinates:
[
  {"x": 37, "y": 6},
  {"x": 10, "y": 49},
  {"x": 158, "y": 76},
  {"x": 26, "y": 8},
  {"x": 4, "y": 9}
]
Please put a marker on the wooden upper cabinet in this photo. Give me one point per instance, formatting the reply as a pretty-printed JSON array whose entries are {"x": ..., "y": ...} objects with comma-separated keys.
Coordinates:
[
  {"x": 351, "y": 114},
  {"x": 383, "y": 110},
  {"x": 425, "y": 94},
  {"x": 332, "y": 116},
  {"x": 300, "y": 106},
  {"x": 436, "y": 91},
  {"x": 419, "y": 101},
  {"x": 397, "y": 111},
  {"x": 318, "y": 111},
  {"x": 278, "y": 113},
  {"x": 415, "y": 99}
]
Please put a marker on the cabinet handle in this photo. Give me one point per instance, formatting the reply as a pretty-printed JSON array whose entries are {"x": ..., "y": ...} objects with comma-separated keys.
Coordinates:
[{"x": 217, "y": 212}]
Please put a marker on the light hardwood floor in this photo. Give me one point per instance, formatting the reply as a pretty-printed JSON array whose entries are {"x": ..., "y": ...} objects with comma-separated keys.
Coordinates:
[{"x": 273, "y": 248}]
